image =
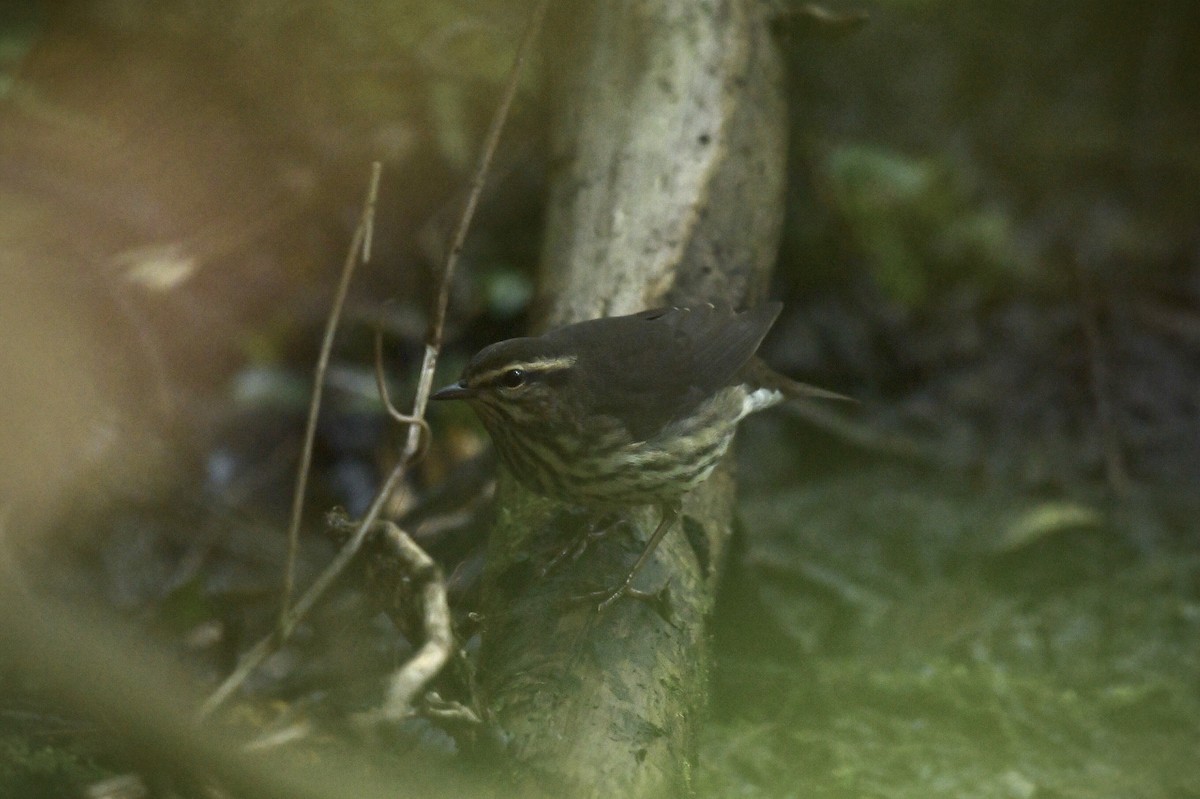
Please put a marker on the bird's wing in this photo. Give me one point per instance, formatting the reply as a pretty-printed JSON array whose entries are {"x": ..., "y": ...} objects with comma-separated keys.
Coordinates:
[
  {"x": 721, "y": 342},
  {"x": 651, "y": 368}
]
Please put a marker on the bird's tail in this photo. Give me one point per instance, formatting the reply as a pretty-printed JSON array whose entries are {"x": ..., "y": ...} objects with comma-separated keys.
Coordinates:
[{"x": 760, "y": 374}]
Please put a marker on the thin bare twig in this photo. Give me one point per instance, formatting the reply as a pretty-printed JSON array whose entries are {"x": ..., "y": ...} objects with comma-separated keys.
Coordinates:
[
  {"x": 445, "y": 710},
  {"x": 860, "y": 434},
  {"x": 296, "y": 731},
  {"x": 426, "y": 664},
  {"x": 268, "y": 644},
  {"x": 426, "y": 577},
  {"x": 359, "y": 244},
  {"x": 290, "y": 617},
  {"x": 386, "y": 399},
  {"x": 437, "y": 322},
  {"x": 828, "y": 24}
]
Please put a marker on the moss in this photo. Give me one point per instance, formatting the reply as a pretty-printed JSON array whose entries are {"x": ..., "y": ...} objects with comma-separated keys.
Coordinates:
[
  {"x": 32, "y": 771},
  {"x": 929, "y": 662},
  {"x": 919, "y": 225}
]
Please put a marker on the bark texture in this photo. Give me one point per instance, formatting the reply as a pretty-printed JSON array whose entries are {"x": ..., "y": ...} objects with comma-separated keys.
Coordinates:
[{"x": 669, "y": 157}]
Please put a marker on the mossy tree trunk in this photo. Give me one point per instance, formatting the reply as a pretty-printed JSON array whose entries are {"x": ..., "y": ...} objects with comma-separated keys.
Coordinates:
[{"x": 669, "y": 158}]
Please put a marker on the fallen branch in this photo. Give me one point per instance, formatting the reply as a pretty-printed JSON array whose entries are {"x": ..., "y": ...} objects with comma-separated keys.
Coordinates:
[{"x": 425, "y": 582}]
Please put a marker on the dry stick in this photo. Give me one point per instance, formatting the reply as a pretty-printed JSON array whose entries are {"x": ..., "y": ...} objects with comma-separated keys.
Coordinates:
[
  {"x": 864, "y": 435},
  {"x": 289, "y": 619},
  {"x": 267, "y": 645},
  {"x": 422, "y": 667},
  {"x": 386, "y": 399},
  {"x": 433, "y": 343},
  {"x": 288, "y": 616},
  {"x": 359, "y": 243},
  {"x": 426, "y": 664}
]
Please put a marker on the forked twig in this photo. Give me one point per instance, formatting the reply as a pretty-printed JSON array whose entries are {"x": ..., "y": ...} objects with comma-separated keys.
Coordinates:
[
  {"x": 386, "y": 399},
  {"x": 437, "y": 322},
  {"x": 268, "y": 644},
  {"x": 360, "y": 243},
  {"x": 426, "y": 578},
  {"x": 289, "y": 617}
]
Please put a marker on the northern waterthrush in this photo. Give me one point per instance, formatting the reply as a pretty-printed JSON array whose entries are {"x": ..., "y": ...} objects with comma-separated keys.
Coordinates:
[{"x": 625, "y": 410}]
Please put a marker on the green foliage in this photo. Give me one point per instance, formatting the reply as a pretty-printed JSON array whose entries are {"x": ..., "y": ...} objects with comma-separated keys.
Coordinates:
[
  {"x": 33, "y": 771},
  {"x": 917, "y": 224},
  {"x": 938, "y": 653},
  {"x": 507, "y": 290}
]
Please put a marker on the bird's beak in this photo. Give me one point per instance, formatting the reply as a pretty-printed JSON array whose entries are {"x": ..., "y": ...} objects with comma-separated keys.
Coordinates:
[{"x": 457, "y": 390}]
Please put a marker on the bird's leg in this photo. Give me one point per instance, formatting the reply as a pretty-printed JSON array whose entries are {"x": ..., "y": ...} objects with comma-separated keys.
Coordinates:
[
  {"x": 575, "y": 548},
  {"x": 670, "y": 512}
]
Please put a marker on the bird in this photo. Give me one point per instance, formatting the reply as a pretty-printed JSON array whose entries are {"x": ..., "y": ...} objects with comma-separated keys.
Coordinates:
[{"x": 626, "y": 410}]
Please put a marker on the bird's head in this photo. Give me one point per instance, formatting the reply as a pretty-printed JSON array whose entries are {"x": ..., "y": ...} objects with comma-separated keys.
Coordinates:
[{"x": 518, "y": 382}]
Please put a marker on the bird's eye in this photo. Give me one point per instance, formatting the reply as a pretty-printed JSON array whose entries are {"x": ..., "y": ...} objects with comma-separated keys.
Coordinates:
[{"x": 513, "y": 378}]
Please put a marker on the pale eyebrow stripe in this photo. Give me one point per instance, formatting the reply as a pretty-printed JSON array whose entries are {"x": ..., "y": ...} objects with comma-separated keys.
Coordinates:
[{"x": 540, "y": 365}]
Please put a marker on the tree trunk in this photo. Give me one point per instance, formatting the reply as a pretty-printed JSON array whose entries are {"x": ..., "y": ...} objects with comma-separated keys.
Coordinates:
[{"x": 669, "y": 157}]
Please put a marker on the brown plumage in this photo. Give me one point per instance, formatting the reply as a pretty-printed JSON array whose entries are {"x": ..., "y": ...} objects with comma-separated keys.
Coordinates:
[{"x": 625, "y": 410}]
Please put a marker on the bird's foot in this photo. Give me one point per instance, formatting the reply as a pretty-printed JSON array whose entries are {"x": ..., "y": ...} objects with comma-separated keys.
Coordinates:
[
  {"x": 659, "y": 601},
  {"x": 575, "y": 548}
]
